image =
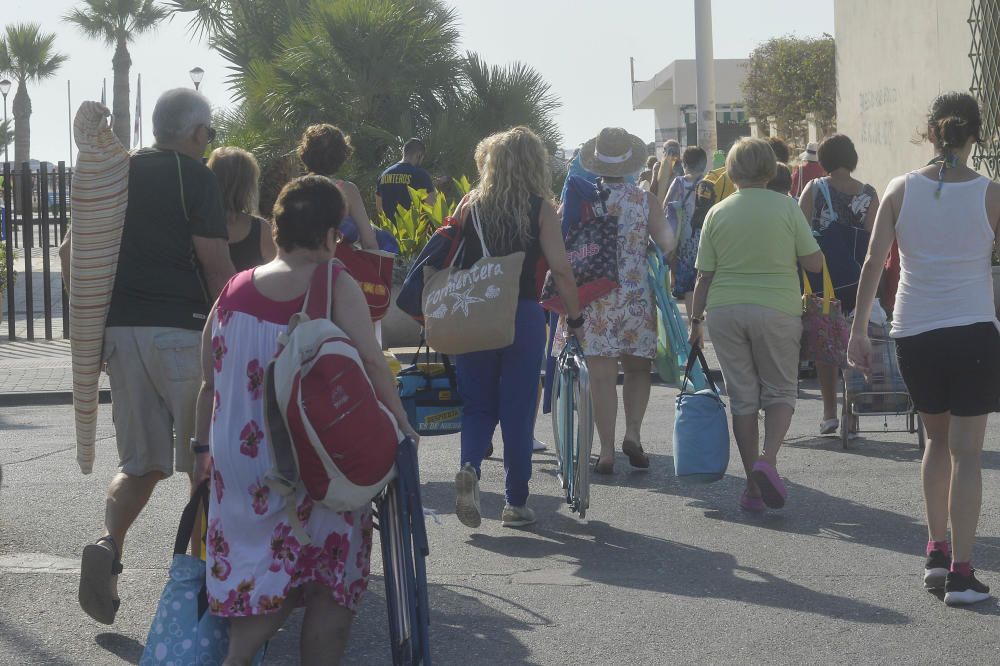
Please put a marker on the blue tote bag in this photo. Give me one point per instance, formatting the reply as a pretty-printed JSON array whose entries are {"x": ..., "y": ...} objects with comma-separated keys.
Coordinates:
[
  {"x": 183, "y": 632},
  {"x": 672, "y": 348},
  {"x": 701, "y": 430}
]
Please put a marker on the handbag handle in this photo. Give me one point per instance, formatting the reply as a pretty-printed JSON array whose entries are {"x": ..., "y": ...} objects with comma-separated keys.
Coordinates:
[
  {"x": 186, "y": 527},
  {"x": 479, "y": 229},
  {"x": 827, "y": 287},
  {"x": 693, "y": 355}
]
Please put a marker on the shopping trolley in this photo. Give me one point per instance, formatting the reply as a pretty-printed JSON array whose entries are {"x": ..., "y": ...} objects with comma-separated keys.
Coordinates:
[
  {"x": 885, "y": 394},
  {"x": 400, "y": 517},
  {"x": 573, "y": 425}
]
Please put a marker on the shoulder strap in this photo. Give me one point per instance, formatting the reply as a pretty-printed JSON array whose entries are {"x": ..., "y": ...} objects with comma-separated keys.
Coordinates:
[
  {"x": 180, "y": 182},
  {"x": 477, "y": 225},
  {"x": 824, "y": 187},
  {"x": 318, "y": 303}
]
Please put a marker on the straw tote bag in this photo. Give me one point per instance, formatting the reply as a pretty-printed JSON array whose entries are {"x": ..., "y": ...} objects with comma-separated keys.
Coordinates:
[
  {"x": 473, "y": 309},
  {"x": 825, "y": 330}
]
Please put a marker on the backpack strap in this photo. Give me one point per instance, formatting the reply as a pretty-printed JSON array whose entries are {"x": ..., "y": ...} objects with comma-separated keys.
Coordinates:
[{"x": 318, "y": 303}]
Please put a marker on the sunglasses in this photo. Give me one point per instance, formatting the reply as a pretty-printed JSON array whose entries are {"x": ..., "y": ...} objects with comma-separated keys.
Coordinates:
[{"x": 211, "y": 133}]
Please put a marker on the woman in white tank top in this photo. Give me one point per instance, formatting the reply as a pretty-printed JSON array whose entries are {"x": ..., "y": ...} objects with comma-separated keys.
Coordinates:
[{"x": 945, "y": 219}]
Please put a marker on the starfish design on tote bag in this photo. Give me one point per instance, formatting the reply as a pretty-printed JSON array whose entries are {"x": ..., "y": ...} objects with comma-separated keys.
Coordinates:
[{"x": 463, "y": 300}]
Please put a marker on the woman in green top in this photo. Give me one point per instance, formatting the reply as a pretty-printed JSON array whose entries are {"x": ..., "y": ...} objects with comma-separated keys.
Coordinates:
[{"x": 751, "y": 245}]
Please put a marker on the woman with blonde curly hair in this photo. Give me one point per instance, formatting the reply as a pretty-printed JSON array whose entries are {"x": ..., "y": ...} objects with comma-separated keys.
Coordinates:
[
  {"x": 323, "y": 149},
  {"x": 514, "y": 202}
]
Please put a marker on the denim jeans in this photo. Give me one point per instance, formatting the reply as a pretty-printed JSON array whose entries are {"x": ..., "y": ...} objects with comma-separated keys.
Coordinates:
[{"x": 501, "y": 386}]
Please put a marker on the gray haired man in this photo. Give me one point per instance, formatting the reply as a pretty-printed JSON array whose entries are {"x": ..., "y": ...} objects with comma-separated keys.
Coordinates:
[{"x": 174, "y": 260}]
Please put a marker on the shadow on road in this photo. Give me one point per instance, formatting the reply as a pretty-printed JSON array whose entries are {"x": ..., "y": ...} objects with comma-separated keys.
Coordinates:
[
  {"x": 125, "y": 648},
  {"x": 610, "y": 556},
  {"x": 28, "y": 647},
  {"x": 464, "y": 629}
]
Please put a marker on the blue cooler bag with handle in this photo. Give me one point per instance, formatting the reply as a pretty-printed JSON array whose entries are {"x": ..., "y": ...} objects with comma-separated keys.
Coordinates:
[
  {"x": 701, "y": 429},
  {"x": 429, "y": 393},
  {"x": 183, "y": 632}
]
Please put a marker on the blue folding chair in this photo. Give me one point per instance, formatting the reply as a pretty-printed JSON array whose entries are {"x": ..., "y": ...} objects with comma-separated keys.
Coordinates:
[
  {"x": 573, "y": 425},
  {"x": 400, "y": 516}
]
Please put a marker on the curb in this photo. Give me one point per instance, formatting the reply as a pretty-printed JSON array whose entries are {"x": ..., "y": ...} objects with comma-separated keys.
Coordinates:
[{"x": 47, "y": 398}]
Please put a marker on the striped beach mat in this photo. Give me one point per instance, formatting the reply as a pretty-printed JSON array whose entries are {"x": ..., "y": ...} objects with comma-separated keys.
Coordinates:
[{"x": 100, "y": 195}]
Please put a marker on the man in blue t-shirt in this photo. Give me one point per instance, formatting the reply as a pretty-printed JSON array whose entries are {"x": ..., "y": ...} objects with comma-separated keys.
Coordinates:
[{"x": 393, "y": 183}]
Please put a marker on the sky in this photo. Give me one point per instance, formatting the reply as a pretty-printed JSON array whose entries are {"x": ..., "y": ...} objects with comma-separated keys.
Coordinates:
[{"x": 581, "y": 47}]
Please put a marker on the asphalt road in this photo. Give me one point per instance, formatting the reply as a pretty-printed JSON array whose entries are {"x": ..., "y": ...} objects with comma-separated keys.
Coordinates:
[{"x": 659, "y": 572}]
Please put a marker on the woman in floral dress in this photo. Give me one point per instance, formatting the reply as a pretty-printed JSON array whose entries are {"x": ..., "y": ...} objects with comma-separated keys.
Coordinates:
[
  {"x": 258, "y": 571},
  {"x": 621, "y": 327}
]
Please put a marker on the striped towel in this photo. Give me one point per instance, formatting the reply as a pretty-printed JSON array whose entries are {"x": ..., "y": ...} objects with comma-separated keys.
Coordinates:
[{"x": 100, "y": 196}]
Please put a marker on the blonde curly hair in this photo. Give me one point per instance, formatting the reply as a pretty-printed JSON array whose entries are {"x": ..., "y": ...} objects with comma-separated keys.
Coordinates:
[{"x": 513, "y": 167}]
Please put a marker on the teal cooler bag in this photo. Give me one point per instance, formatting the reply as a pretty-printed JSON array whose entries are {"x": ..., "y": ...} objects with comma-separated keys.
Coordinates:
[
  {"x": 429, "y": 393},
  {"x": 701, "y": 430},
  {"x": 183, "y": 632}
]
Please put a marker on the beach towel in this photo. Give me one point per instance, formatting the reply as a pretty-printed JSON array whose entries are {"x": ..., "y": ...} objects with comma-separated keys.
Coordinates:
[{"x": 100, "y": 196}]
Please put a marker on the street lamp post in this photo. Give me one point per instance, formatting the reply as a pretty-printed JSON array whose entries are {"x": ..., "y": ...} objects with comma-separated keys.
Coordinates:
[
  {"x": 197, "y": 74},
  {"x": 4, "y": 89}
]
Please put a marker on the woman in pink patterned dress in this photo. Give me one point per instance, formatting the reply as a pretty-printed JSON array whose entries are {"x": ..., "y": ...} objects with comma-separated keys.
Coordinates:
[{"x": 258, "y": 572}]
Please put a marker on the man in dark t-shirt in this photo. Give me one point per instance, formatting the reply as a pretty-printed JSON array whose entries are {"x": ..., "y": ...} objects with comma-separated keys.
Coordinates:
[
  {"x": 394, "y": 183},
  {"x": 173, "y": 262}
]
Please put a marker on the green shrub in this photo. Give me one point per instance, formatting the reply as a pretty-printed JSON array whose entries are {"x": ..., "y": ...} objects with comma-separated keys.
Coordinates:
[{"x": 412, "y": 227}]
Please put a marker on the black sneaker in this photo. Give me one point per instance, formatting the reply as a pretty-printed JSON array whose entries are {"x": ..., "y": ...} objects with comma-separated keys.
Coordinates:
[
  {"x": 960, "y": 590},
  {"x": 936, "y": 570}
]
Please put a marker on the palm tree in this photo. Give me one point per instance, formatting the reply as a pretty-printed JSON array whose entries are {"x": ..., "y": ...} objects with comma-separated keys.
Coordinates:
[
  {"x": 118, "y": 23},
  {"x": 6, "y": 134},
  {"x": 27, "y": 55}
]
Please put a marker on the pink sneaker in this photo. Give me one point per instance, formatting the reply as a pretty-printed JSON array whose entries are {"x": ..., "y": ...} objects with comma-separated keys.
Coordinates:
[
  {"x": 751, "y": 504},
  {"x": 772, "y": 488}
]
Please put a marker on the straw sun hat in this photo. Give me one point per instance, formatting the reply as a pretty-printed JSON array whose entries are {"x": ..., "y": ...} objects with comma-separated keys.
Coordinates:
[{"x": 613, "y": 153}]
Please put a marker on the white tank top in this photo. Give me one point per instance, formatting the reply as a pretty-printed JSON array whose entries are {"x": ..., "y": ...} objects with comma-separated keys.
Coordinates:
[{"x": 945, "y": 247}]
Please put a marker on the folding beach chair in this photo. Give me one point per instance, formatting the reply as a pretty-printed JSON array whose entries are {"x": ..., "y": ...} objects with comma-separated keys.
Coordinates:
[
  {"x": 400, "y": 516},
  {"x": 573, "y": 425}
]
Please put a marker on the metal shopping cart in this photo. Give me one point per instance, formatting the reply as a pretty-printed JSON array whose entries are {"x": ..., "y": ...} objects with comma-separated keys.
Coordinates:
[
  {"x": 573, "y": 425},
  {"x": 401, "y": 529},
  {"x": 884, "y": 395}
]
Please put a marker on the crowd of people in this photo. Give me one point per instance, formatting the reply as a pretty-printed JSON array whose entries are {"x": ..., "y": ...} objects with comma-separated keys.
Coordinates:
[{"x": 205, "y": 285}]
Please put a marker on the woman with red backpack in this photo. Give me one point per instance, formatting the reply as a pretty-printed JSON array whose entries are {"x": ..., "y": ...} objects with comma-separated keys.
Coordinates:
[{"x": 268, "y": 553}]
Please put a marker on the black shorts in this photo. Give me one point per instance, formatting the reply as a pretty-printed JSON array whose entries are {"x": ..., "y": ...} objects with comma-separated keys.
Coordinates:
[{"x": 953, "y": 370}]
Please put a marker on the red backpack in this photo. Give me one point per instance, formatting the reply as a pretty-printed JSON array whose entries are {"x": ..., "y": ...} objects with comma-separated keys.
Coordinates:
[{"x": 328, "y": 430}]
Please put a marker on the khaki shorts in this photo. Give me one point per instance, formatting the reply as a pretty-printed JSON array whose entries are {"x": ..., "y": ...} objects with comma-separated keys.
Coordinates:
[
  {"x": 758, "y": 349},
  {"x": 155, "y": 375}
]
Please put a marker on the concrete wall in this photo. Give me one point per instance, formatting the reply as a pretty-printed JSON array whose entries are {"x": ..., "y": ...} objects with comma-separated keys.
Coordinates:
[{"x": 893, "y": 58}]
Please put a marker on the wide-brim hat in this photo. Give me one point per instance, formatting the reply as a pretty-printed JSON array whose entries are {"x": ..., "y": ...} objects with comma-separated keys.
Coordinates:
[
  {"x": 613, "y": 153},
  {"x": 810, "y": 153}
]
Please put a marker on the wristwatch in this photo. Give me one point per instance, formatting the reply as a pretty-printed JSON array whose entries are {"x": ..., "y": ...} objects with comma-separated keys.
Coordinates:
[
  {"x": 575, "y": 323},
  {"x": 697, "y": 320},
  {"x": 197, "y": 447}
]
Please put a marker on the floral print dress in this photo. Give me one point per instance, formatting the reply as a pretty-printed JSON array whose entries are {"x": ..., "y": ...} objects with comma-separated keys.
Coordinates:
[
  {"x": 624, "y": 321},
  {"x": 254, "y": 560}
]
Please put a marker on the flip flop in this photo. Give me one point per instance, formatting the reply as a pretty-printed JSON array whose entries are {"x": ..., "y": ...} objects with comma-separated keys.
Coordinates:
[
  {"x": 636, "y": 456},
  {"x": 772, "y": 488},
  {"x": 98, "y": 564}
]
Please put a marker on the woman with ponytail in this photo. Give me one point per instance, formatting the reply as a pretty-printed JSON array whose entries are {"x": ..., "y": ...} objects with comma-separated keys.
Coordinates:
[{"x": 944, "y": 218}]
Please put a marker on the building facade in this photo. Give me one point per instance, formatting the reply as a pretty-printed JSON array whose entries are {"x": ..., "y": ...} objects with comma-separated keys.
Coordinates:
[
  {"x": 672, "y": 95},
  {"x": 894, "y": 57}
]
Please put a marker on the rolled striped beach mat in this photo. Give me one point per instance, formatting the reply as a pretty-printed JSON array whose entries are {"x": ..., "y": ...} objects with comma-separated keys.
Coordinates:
[{"x": 100, "y": 196}]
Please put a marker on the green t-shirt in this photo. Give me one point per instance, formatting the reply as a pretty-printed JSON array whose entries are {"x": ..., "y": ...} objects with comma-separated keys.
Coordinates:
[
  {"x": 752, "y": 241},
  {"x": 171, "y": 197}
]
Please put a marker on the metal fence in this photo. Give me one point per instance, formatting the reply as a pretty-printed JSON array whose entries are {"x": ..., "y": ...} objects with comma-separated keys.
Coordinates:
[{"x": 33, "y": 221}]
